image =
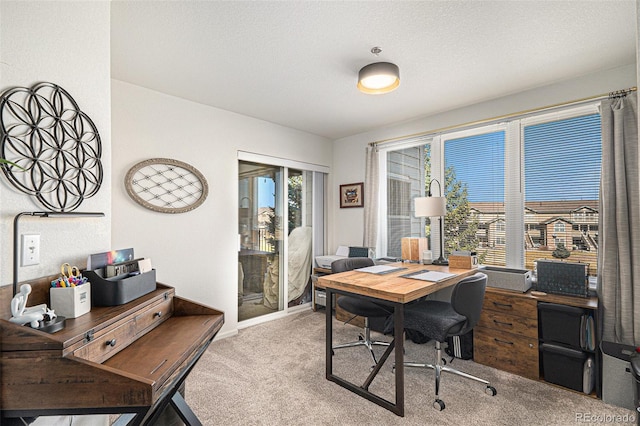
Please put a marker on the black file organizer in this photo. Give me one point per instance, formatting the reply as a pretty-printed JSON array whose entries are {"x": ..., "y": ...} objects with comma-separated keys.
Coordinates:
[
  {"x": 564, "y": 366},
  {"x": 557, "y": 277},
  {"x": 120, "y": 289},
  {"x": 567, "y": 354}
]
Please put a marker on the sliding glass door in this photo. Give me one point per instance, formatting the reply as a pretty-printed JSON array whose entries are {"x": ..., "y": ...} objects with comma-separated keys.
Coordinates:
[
  {"x": 260, "y": 233},
  {"x": 276, "y": 216}
]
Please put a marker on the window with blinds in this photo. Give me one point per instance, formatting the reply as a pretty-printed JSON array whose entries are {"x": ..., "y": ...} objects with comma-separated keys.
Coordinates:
[
  {"x": 515, "y": 191},
  {"x": 562, "y": 164},
  {"x": 474, "y": 182},
  {"x": 406, "y": 170}
]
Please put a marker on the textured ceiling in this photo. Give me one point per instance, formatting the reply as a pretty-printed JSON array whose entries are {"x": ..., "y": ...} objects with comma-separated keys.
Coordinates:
[{"x": 295, "y": 63}]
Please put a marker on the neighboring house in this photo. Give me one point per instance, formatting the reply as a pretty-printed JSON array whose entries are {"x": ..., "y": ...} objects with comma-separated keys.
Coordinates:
[{"x": 547, "y": 224}]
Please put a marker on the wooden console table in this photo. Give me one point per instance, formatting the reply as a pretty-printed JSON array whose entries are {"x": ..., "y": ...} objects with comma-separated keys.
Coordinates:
[{"x": 131, "y": 358}]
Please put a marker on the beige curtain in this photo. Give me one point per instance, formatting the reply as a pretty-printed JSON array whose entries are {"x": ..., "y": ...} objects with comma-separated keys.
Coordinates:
[
  {"x": 370, "y": 235},
  {"x": 619, "y": 223}
]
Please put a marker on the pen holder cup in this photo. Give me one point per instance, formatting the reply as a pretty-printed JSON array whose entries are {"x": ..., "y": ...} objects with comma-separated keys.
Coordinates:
[
  {"x": 71, "y": 302},
  {"x": 427, "y": 257}
]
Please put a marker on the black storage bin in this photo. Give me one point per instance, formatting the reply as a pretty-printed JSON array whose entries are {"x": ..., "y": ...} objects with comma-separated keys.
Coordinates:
[
  {"x": 120, "y": 289},
  {"x": 563, "y": 366},
  {"x": 560, "y": 323}
]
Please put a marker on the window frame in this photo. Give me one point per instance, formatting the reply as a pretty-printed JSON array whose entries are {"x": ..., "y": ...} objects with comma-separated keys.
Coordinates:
[{"x": 514, "y": 197}]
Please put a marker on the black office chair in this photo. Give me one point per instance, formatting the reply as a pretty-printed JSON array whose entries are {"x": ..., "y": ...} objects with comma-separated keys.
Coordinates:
[
  {"x": 360, "y": 307},
  {"x": 438, "y": 320}
]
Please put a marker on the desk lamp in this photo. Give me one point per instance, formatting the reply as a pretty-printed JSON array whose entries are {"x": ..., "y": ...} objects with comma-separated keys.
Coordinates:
[{"x": 433, "y": 207}]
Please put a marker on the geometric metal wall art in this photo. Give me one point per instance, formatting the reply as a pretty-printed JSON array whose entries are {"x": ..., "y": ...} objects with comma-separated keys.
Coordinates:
[
  {"x": 58, "y": 147},
  {"x": 166, "y": 186}
]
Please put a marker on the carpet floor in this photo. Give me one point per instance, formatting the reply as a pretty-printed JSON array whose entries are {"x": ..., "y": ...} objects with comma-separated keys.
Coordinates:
[{"x": 273, "y": 374}]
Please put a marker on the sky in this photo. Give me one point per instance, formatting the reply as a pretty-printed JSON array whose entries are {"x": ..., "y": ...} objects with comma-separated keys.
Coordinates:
[
  {"x": 266, "y": 191},
  {"x": 562, "y": 161}
]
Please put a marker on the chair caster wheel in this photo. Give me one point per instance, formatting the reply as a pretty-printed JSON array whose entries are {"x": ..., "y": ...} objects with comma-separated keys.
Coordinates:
[
  {"x": 438, "y": 404},
  {"x": 490, "y": 390},
  {"x": 444, "y": 361}
]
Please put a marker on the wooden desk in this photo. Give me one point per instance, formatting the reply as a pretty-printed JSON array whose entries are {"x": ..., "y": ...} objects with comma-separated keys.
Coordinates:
[
  {"x": 390, "y": 289},
  {"x": 130, "y": 358}
]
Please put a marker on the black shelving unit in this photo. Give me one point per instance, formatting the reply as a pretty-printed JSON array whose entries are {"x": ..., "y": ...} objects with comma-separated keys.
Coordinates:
[{"x": 568, "y": 347}]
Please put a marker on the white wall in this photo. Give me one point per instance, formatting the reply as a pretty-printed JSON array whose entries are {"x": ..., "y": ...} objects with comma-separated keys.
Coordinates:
[
  {"x": 66, "y": 43},
  {"x": 195, "y": 252},
  {"x": 349, "y": 152}
]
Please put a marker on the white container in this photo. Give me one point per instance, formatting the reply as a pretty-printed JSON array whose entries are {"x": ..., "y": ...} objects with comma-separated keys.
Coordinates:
[
  {"x": 427, "y": 257},
  {"x": 71, "y": 302},
  {"x": 508, "y": 279}
]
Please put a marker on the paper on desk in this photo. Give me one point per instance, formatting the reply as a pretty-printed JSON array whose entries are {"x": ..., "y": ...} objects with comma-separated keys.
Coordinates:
[
  {"x": 380, "y": 269},
  {"x": 342, "y": 251},
  {"x": 426, "y": 275}
]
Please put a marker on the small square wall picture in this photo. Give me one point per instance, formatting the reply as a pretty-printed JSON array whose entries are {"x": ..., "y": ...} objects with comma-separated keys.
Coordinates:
[{"x": 351, "y": 195}]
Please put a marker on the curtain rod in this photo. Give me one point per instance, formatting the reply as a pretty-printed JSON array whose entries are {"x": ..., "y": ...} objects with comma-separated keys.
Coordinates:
[{"x": 610, "y": 95}]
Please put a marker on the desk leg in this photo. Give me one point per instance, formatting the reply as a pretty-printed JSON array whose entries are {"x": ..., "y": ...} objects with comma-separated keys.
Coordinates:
[
  {"x": 184, "y": 411},
  {"x": 398, "y": 338},
  {"x": 397, "y": 344},
  {"x": 329, "y": 337}
]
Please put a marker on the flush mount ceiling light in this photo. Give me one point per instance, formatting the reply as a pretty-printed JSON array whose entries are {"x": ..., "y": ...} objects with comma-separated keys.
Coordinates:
[{"x": 379, "y": 77}]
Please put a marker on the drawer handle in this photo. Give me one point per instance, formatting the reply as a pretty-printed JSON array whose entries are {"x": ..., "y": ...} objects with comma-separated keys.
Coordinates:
[
  {"x": 111, "y": 342},
  {"x": 503, "y": 341},
  {"x": 508, "y": 324},
  {"x": 504, "y": 305},
  {"x": 157, "y": 314}
]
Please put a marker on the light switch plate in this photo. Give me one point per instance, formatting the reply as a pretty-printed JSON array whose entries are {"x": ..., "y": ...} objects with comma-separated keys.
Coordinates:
[{"x": 30, "y": 250}]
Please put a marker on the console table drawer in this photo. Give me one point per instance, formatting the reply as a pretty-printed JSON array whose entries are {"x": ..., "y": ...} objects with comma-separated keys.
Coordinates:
[
  {"x": 499, "y": 321},
  {"x": 154, "y": 315},
  {"x": 510, "y": 305},
  {"x": 506, "y": 351},
  {"x": 108, "y": 344}
]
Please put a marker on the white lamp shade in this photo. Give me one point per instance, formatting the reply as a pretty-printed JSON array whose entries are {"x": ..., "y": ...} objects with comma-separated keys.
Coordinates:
[
  {"x": 378, "y": 78},
  {"x": 430, "y": 206}
]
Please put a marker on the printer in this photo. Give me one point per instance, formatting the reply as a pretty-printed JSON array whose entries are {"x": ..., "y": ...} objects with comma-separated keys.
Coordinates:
[
  {"x": 341, "y": 253},
  {"x": 325, "y": 261}
]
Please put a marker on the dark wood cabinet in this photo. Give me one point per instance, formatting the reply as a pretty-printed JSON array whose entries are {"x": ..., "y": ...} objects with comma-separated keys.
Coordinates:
[{"x": 507, "y": 336}]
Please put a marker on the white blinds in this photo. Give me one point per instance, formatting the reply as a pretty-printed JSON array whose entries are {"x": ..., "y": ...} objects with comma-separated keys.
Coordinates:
[
  {"x": 475, "y": 191},
  {"x": 562, "y": 166},
  {"x": 563, "y": 159}
]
